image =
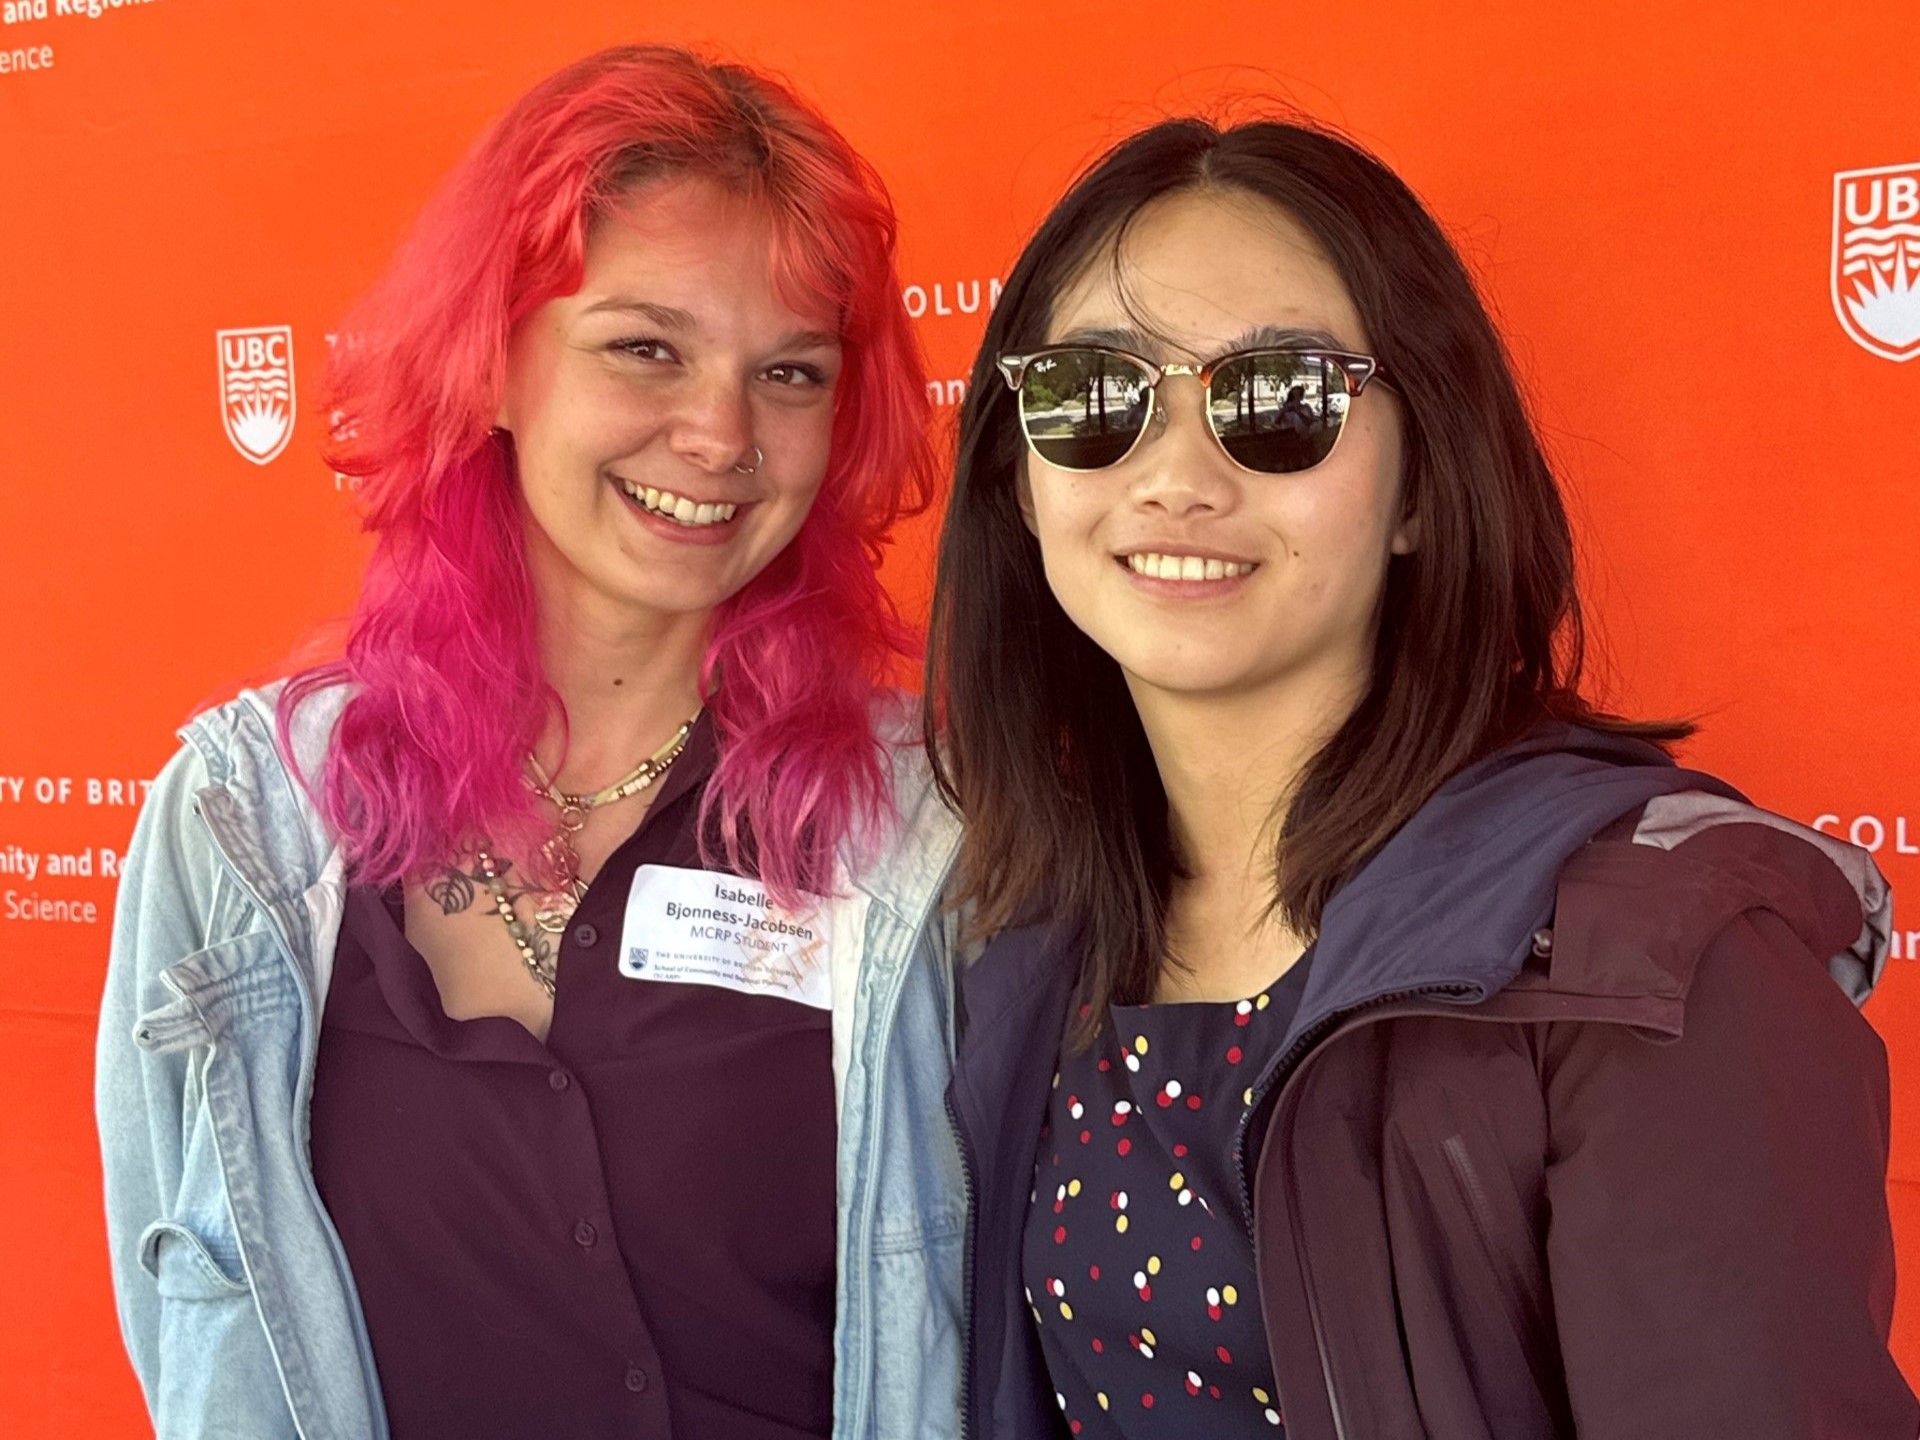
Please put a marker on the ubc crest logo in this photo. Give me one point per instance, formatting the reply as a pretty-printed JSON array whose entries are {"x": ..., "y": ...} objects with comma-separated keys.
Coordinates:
[
  {"x": 256, "y": 389},
  {"x": 1876, "y": 258}
]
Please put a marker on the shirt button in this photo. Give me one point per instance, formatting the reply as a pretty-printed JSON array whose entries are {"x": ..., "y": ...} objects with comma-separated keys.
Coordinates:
[
  {"x": 559, "y": 1079},
  {"x": 584, "y": 1235},
  {"x": 636, "y": 1379},
  {"x": 586, "y": 936}
]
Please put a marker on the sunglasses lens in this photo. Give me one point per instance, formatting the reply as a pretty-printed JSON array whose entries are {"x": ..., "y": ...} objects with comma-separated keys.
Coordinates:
[
  {"x": 1083, "y": 409},
  {"x": 1279, "y": 413}
]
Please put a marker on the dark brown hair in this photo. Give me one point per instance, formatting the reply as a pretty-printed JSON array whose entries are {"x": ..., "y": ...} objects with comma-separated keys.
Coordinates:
[{"x": 1035, "y": 736}]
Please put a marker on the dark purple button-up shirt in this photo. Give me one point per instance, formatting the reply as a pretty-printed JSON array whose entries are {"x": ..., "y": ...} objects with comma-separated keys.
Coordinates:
[{"x": 625, "y": 1231}]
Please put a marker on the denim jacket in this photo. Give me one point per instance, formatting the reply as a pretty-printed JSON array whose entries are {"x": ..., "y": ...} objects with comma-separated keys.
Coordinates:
[{"x": 233, "y": 1290}]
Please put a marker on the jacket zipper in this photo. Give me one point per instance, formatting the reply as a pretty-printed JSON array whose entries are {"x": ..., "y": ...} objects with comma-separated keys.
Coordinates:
[
  {"x": 966, "y": 1269},
  {"x": 1278, "y": 1074}
]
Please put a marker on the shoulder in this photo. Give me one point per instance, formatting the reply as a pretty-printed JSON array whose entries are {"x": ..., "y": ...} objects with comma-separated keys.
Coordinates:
[
  {"x": 911, "y": 846},
  {"x": 1638, "y": 906}
]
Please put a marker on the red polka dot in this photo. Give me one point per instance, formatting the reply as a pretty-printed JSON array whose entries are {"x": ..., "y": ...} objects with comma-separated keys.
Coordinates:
[
  {"x": 1196, "y": 1242},
  {"x": 1093, "y": 1272},
  {"x": 1146, "y": 1401},
  {"x": 1058, "y": 1206},
  {"x": 1085, "y": 1136},
  {"x": 1075, "y": 1424},
  {"x": 1060, "y": 1235},
  {"x": 1193, "y": 1387},
  {"x": 1233, "y": 1055},
  {"x": 1226, "y": 1356},
  {"x": 1098, "y": 1348},
  {"x": 1243, "y": 1019},
  {"x": 1213, "y": 1312},
  {"x": 1120, "y": 1117},
  {"x": 1214, "y": 1390},
  {"x": 1124, "y": 1146},
  {"x": 1179, "y": 1152},
  {"x": 1163, "y": 1099},
  {"x": 1193, "y": 1102},
  {"x": 1105, "y": 1065},
  {"x": 1146, "y": 1292}
]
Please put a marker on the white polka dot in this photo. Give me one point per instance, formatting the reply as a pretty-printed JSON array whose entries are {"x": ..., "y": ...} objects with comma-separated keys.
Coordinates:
[
  {"x": 1186, "y": 1197},
  {"x": 1133, "y": 1063},
  {"x": 1173, "y": 1088},
  {"x": 1245, "y": 1007},
  {"x": 1061, "y": 1193},
  {"x": 1059, "y": 1288},
  {"x": 1273, "y": 1417},
  {"x": 1139, "y": 1279},
  {"x": 1213, "y": 1296},
  {"x": 1123, "y": 1107}
]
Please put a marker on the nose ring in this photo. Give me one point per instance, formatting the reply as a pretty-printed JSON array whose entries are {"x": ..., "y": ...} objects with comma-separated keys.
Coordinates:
[{"x": 759, "y": 459}]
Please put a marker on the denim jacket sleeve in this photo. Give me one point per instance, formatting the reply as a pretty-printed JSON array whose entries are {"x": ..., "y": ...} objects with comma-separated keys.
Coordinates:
[{"x": 178, "y": 1281}]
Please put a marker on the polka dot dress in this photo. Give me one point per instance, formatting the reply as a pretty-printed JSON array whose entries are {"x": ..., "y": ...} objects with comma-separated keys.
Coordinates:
[{"x": 1138, "y": 1254}]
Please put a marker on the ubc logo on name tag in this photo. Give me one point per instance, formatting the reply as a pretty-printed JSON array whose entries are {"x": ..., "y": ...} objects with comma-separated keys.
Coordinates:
[{"x": 704, "y": 927}]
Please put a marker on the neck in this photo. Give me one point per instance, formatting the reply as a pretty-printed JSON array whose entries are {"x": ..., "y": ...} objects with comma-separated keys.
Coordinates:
[
  {"x": 1230, "y": 763},
  {"x": 627, "y": 678}
]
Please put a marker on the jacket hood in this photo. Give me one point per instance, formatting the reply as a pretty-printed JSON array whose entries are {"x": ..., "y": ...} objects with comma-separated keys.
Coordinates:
[{"x": 1452, "y": 902}]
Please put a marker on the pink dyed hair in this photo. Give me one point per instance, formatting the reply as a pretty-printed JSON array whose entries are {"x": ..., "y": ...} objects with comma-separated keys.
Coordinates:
[{"x": 447, "y": 688}]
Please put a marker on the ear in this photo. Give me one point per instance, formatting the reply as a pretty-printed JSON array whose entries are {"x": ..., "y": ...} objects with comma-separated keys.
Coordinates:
[{"x": 1023, "y": 497}]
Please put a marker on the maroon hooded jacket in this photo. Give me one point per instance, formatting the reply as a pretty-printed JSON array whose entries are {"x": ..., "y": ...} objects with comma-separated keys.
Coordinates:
[{"x": 1579, "y": 1131}]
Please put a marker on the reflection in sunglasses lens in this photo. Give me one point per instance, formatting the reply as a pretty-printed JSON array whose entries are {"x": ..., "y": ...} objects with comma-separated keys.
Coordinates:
[
  {"x": 1278, "y": 413},
  {"x": 1084, "y": 409}
]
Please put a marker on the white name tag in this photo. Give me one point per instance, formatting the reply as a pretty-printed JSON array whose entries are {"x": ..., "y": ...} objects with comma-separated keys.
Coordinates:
[{"x": 703, "y": 927}]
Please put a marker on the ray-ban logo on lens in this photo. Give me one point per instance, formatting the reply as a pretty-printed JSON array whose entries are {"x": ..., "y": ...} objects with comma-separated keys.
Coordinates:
[
  {"x": 1876, "y": 258},
  {"x": 256, "y": 389}
]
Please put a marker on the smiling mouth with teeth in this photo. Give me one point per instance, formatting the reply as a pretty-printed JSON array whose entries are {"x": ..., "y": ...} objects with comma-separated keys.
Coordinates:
[
  {"x": 1186, "y": 567},
  {"x": 677, "y": 508}
]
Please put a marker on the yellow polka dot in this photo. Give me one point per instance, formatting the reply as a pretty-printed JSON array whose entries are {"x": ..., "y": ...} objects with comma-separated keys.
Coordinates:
[
  {"x": 1148, "y": 1336},
  {"x": 1073, "y": 1187},
  {"x": 1229, "y": 1294},
  {"x": 1261, "y": 1395},
  {"x": 1066, "y": 1311},
  {"x": 1140, "y": 1044},
  {"x": 1102, "y": 1398},
  {"x": 1263, "y": 1002},
  {"x": 1121, "y": 1224},
  {"x": 1153, "y": 1265},
  {"x": 1177, "y": 1182}
]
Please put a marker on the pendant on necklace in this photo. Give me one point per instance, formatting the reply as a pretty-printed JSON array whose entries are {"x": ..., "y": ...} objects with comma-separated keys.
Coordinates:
[{"x": 552, "y": 911}]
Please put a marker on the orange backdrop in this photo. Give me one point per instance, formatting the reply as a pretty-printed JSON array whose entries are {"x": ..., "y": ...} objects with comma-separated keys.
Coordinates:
[{"x": 1647, "y": 191}]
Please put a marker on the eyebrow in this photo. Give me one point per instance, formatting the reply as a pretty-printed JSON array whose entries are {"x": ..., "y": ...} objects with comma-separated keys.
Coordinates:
[
  {"x": 1260, "y": 337},
  {"x": 677, "y": 321}
]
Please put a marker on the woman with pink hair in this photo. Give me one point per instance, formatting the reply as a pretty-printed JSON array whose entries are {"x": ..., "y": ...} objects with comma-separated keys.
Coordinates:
[{"x": 505, "y": 1023}]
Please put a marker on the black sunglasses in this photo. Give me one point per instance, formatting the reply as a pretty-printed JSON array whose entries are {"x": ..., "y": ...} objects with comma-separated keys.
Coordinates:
[{"x": 1277, "y": 412}]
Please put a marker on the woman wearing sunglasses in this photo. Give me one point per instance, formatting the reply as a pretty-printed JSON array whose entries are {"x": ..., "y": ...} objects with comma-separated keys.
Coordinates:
[
  {"x": 1372, "y": 1037},
  {"x": 478, "y": 1055}
]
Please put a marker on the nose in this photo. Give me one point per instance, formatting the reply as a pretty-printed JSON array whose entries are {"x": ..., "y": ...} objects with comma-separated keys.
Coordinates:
[
  {"x": 1179, "y": 467},
  {"x": 713, "y": 427}
]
